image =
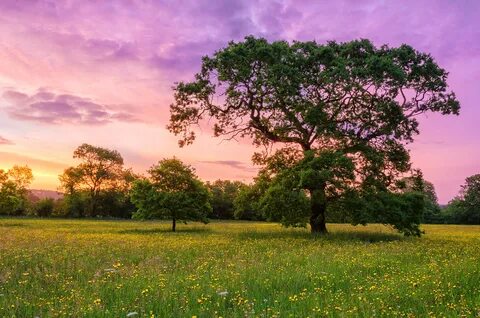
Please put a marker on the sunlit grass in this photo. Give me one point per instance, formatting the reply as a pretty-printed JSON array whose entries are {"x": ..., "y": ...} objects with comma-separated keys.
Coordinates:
[{"x": 91, "y": 268}]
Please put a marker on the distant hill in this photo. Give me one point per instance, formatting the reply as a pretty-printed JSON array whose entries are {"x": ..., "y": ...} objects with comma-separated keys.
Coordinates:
[{"x": 36, "y": 195}]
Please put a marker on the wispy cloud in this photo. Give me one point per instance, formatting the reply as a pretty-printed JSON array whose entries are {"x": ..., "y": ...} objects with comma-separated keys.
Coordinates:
[
  {"x": 5, "y": 141},
  {"x": 231, "y": 163},
  {"x": 50, "y": 108}
]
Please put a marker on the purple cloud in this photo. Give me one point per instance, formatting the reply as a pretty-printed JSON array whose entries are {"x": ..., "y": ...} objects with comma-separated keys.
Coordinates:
[
  {"x": 47, "y": 107},
  {"x": 183, "y": 57},
  {"x": 158, "y": 34}
]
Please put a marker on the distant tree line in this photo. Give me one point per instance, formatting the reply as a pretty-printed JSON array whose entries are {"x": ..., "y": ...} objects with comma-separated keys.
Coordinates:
[
  {"x": 465, "y": 208},
  {"x": 100, "y": 186},
  {"x": 331, "y": 120}
]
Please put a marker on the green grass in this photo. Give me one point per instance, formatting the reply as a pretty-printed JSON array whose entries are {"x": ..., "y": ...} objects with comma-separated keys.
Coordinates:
[{"x": 91, "y": 268}]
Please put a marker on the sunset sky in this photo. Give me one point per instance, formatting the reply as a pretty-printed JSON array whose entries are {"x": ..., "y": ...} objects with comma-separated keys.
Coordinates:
[{"x": 101, "y": 72}]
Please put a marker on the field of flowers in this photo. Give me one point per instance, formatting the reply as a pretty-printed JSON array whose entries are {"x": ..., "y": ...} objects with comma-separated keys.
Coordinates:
[{"x": 51, "y": 268}]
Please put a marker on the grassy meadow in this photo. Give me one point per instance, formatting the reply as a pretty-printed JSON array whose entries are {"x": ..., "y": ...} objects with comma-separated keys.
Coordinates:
[{"x": 77, "y": 268}]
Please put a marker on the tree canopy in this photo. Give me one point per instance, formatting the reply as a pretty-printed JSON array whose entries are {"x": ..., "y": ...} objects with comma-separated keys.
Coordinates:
[
  {"x": 432, "y": 211},
  {"x": 224, "y": 193},
  {"x": 339, "y": 115},
  {"x": 13, "y": 189},
  {"x": 100, "y": 171},
  {"x": 465, "y": 208}
]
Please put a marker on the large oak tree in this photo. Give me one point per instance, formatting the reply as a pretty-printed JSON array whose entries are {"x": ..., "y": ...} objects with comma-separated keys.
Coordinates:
[{"x": 343, "y": 111}]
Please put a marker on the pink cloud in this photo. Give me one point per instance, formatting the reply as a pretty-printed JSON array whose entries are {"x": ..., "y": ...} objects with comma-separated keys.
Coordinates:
[{"x": 50, "y": 108}]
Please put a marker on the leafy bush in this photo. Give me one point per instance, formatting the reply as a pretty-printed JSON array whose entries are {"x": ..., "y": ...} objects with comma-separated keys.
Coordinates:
[{"x": 44, "y": 207}]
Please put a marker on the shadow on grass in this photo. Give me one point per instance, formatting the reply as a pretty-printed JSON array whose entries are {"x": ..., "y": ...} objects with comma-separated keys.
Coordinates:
[
  {"x": 345, "y": 236},
  {"x": 368, "y": 237},
  {"x": 164, "y": 230}
]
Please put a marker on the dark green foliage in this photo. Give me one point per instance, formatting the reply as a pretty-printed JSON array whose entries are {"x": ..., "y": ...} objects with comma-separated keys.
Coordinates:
[
  {"x": 172, "y": 191},
  {"x": 97, "y": 186},
  {"x": 72, "y": 205},
  {"x": 13, "y": 200},
  {"x": 454, "y": 212},
  {"x": 191, "y": 204},
  {"x": 111, "y": 203},
  {"x": 342, "y": 111},
  {"x": 44, "y": 207},
  {"x": 13, "y": 190},
  {"x": 287, "y": 200},
  {"x": 465, "y": 208},
  {"x": 432, "y": 212},
  {"x": 99, "y": 170},
  {"x": 470, "y": 193},
  {"x": 290, "y": 207},
  {"x": 223, "y": 193},
  {"x": 247, "y": 203},
  {"x": 115, "y": 203},
  {"x": 401, "y": 210}
]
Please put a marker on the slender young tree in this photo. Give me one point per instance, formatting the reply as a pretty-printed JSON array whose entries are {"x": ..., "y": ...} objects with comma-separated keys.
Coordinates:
[{"x": 349, "y": 106}]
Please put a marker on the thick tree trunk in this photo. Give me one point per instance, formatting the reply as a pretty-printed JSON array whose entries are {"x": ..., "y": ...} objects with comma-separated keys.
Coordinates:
[
  {"x": 174, "y": 225},
  {"x": 318, "y": 208}
]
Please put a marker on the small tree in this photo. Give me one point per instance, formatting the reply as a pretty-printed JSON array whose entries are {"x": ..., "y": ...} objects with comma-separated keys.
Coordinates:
[{"x": 172, "y": 191}]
